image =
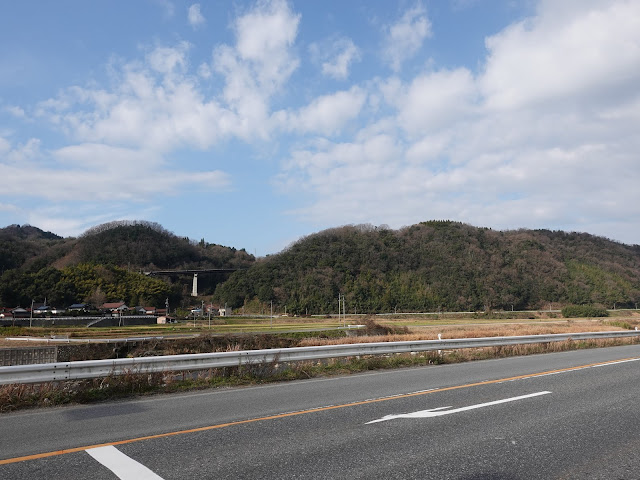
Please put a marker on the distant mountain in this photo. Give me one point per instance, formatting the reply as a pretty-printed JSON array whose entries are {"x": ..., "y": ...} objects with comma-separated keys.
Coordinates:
[
  {"x": 27, "y": 232},
  {"x": 37, "y": 264},
  {"x": 136, "y": 245},
  {"x": 431, "y": 266},
  {"x": 148, "y": 246},
  {"x": 22, "y": 245},
  {"x": 440, "y": 265}
]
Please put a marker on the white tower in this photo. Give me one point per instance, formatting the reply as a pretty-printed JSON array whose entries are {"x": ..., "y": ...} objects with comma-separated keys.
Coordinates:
[{"x": 194, "y": 291}]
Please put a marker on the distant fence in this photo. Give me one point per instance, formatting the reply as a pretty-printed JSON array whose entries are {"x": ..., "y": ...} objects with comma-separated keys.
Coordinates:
[
  {"x": 28, "y": 355},
  {"x": 85, "y": 321}
]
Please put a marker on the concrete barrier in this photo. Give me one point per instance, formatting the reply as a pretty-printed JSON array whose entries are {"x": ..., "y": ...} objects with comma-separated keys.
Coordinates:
[{"x": 28, "y": 355}]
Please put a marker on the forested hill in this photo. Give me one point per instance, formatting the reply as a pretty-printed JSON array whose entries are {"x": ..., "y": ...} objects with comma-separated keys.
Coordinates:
[
  {"x": 149, "y": 246},
  {"x": 440, "y": 265},
  {"x": 136, "y": 245},
  {"x": 104, "y": 264},
  {"x": 22, "y": 245},
  {"x": 426, "y": 267}
]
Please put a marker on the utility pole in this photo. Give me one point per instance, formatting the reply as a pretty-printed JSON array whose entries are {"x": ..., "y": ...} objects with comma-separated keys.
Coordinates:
[
  {"x": 271, "y": 321},
  {"x": 31, "y": 313},
  {"x": 344, "y": 311}
]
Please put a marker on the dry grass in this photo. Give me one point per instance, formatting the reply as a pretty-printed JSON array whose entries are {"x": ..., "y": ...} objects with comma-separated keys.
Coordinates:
[
  {"x": 477, "y": 331},
  {"x": 18, "y": 396}
]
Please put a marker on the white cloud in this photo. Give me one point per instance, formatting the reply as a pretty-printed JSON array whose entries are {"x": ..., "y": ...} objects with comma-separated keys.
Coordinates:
[
  {"x": 434, "y": 100},
  {"x": 257, "y": 67},
  {"x": 5, "y": 146},
  {"x": 168, "y": 60},
  {"x": 56, "y": 218},
  {"x": 154, "y": 106},
  {"x": 336, "y": 56},
  {"x": 158, "y": 105},
  {"x": 404, "y": 38},
  {"x": 545, "y": 136},
  {"x": 7, "y": 207},
  {"x": 16, "y": 111},
  {"x": 19, "y": 155},
  {"x": 90, "y": 173},
  {"x": 429, "y": 148},
  {"x": 585, "y": 50},
  {"x": 265, "y": 36},
  {"x": 325, "y": 115},
  {"x": 167, "y": 7},
  {"x": 204, "y": 70},
  {"x": 346, "y": 176},
  {"x": 195, "y": 17}
]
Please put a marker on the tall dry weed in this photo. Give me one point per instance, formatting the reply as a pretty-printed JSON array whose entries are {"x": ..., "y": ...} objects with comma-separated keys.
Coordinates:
[{"x": 472, "y": 331}]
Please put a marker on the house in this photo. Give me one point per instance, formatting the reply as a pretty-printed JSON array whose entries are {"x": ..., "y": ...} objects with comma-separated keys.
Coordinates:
[
  {"x": 116, "y": 307},
  {"x": 164, "y": 320},
  {"x": 81, "y": 307},
  {"x": 42, "y": 310},
  {"x": 20, "y": 312}
]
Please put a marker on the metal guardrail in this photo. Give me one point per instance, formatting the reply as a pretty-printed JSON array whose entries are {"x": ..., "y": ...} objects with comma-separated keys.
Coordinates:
[{"x": 101, "y": 368}]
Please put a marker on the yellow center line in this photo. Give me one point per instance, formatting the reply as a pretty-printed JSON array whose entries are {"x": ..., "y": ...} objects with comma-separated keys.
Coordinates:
[{"x": 312, "y": 410}]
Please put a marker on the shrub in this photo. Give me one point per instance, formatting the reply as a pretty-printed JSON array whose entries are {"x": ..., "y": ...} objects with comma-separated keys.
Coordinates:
[{"x": 573, "y": 311}]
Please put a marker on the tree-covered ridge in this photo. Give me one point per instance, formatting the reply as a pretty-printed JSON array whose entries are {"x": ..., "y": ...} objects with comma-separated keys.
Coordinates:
[
  {"x": 436, "y": 265},
  {"x": 148, "y": 246},
  {"x": 21, "y": 246},
  {"x": 37, "y": 264},
  {"x": 136, "y": 245},
  {"x": 440, "y": 265},
  {"x": 94, "y": 284}
]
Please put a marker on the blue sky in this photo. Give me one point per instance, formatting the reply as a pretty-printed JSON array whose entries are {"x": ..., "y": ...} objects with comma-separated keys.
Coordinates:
[{"x": 251, "y": 124}]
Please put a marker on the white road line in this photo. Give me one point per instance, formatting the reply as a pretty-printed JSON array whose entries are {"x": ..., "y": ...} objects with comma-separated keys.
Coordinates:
[
  {"x": 124, "y": 467},
  {"x": 441, "y": 411}
]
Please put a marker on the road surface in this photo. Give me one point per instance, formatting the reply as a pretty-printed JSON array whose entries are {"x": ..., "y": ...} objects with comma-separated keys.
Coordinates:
[{"x": 572, "y": 415}]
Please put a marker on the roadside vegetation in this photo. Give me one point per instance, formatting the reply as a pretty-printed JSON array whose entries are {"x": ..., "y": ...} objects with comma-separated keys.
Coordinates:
[{"x": 13, "y": 397}]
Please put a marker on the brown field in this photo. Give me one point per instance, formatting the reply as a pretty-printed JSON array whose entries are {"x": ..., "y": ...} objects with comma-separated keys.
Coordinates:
[
  {"x": 401, "y": 328},
  {"x": 477, "y": 331}
]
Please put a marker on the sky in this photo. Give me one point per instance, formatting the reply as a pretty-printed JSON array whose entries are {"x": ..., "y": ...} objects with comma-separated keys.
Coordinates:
[{"x": 251, "y": 124}]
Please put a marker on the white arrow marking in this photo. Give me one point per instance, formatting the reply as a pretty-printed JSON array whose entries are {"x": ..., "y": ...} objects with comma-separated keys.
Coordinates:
[
  {"x": 124, "y": 467},
  {"x": 441, "y": 411}
]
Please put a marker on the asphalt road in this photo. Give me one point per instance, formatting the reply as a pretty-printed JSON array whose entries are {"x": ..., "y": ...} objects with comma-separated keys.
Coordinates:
[{"x": 569, "y": 415}]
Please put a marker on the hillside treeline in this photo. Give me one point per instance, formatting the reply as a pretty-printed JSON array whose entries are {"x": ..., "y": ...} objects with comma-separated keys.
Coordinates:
[
  {"x": 148, "y": 246},
  {"x": 437, "y": 265},
  {"x": 106, "y": 263},
  {"x": 95, "y": 284},
  {"x": 23, "y": 246}
]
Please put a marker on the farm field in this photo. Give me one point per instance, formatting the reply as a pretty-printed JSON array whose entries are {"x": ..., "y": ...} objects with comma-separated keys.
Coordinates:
[{"x": 397, "y": 327}]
